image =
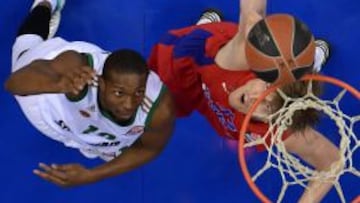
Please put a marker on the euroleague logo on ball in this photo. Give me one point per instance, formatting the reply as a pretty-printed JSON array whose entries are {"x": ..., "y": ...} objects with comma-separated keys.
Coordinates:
[{"x": 280, "y": 49}]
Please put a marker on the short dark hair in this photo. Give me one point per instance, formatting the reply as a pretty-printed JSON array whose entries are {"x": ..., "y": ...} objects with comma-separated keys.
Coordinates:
[
  {"x": 301, "y": 118},
  {"x": 125, "y": 61}
]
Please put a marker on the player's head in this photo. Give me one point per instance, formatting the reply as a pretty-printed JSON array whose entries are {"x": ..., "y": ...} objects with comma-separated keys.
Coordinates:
[
  {"x": 242, "y": 99},
  {"x": 123, "y": 83},
  {"x": 301, "y": 118}
]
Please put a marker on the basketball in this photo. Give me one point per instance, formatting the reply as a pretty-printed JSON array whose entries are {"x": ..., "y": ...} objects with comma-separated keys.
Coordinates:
[{"x": 280, "y": 49}]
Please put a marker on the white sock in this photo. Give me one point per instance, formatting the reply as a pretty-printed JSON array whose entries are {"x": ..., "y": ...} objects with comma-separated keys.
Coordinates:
[
  {"x": 54, "y": 4},
  {"x": 319, "y": 59},
  {"x": 203, "y": 21}
]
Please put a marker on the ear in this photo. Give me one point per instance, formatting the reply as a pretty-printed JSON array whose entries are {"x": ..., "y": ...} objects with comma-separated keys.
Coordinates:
[
  {"x": 102, "y": 84},
  {"x": 259, "y": 117},
  {"x": 234, "y": 98}
]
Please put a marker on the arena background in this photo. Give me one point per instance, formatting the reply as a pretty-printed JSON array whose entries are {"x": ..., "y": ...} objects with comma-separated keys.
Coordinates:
[{"x": 197, "y": 166}]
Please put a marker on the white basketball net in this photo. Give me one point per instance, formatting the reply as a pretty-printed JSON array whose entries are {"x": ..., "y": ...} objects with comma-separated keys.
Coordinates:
[{"x": 292, "y": 171}]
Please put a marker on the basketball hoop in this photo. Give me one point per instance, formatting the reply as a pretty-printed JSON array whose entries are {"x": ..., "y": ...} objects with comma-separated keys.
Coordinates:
[
  {"x": 356, "y": 200},
  {"x": 326, "y": 106}
]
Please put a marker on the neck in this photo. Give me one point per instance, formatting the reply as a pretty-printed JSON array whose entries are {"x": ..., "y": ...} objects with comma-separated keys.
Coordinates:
[{"x": 106, "y": 113}]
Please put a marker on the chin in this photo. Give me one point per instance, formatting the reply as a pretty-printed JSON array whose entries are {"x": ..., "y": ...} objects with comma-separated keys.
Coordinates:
[
  {"x": 123, "y": 118},
  {"x": 261, "y": 118}
]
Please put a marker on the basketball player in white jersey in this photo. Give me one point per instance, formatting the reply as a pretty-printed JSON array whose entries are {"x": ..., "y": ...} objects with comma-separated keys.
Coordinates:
[{"x": 107, "y": 105}]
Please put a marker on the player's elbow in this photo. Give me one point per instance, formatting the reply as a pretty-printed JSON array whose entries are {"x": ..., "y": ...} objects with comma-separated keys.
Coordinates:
[
  {"x": 10, "y": 85},
  {"x": 14, "y": 86}
]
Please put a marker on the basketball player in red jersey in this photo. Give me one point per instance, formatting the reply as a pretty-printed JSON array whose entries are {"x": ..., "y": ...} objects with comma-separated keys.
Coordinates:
[{"x": 206, "y": 69}]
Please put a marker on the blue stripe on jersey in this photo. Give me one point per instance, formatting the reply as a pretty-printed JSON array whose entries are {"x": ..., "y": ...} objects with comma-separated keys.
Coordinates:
[
  {"x": 169, "y": 39},
  {"x": 190, "y": 45}
]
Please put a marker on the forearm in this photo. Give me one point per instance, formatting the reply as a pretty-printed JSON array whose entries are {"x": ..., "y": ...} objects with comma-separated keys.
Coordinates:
[
  {"x": 232, "y": 55},
  {"x": 326, "y": 159},
  {"x": 250, "y": 6},
  {"x": 320, "y": 153},
  {"x": 36, "y": 78},
  {"x": 251, "y": 11},
  {"x": 319, "y": 187},
  {"x": 130, "y": 159},
  {"x": 315, "y": 191}
]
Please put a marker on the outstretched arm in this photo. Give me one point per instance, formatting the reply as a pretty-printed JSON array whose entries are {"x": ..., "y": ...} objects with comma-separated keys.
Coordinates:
[
  {"x": 67, "y": 73},
  {"x": 314, "y": 148},
  {"x": 146, "y": 148},
  {"x": 150, "y": 144},
  {"x": 232, "y": 55},
  {"x": 251, "y": 11}
]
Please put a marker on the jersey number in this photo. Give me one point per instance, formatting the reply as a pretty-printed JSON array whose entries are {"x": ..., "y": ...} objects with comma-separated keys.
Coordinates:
[{"x": 93, "y": 129}]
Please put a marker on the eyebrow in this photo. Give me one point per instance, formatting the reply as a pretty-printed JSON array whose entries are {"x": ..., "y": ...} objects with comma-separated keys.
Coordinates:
[{"x": 122, "y": 88}]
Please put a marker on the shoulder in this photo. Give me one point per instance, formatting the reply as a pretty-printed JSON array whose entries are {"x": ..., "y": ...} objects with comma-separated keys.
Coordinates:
[
  {"x": 160, "y": 128},
  {"x": 162, "y": 113},
  {"x": 153, "y": 86}
]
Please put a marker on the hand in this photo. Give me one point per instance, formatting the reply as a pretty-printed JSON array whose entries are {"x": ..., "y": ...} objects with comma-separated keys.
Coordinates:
[
  {"x": 74, "y": 80},
  {"x": 66, "y": 175},
  {"x": 252, "y": 18}
]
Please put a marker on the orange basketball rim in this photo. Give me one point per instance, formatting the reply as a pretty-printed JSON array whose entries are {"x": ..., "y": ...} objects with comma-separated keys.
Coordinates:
[{"x": 243, "y": 164}]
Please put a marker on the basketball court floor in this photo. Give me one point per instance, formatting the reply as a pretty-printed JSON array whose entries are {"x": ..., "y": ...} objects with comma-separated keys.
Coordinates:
[{"x": 197, "y": 166}]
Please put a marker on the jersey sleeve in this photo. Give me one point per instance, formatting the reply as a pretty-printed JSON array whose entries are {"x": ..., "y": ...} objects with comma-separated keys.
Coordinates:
[{"x": 171, "y": 61}]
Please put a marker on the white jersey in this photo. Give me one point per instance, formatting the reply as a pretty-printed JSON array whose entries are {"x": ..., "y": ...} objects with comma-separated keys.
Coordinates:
[{"x": 82, "y": 124}]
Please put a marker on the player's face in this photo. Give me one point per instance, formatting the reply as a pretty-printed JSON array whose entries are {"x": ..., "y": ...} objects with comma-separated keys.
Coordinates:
[
  {"x": 122, "y": 94},
  {"x": 242, "y": 98}
]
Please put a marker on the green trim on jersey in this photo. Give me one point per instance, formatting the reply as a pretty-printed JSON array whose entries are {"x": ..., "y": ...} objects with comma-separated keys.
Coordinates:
[
  {"x": 155, "y": 105},
  {"x": 82, "y": 94}
]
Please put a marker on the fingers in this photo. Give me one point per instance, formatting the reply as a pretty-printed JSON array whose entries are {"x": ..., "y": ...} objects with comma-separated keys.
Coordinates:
[
  {"x": 51, "y": 174},
  {"x": 88, "y": 75},
  {"x": 81, "y": 77},
  {"x": 65, "y": 167},
  {"x": 64, "y": 175}
]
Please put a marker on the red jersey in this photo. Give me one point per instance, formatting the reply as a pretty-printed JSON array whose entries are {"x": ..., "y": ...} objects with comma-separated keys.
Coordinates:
[{"x": 185, "y": 61}]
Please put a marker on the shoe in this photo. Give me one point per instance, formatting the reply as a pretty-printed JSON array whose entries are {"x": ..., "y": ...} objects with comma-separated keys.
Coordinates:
[
  {"x": 322, "y": 53},
  {"x": 210, "y": 16},
  {"x": 55, "y": 16}
]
